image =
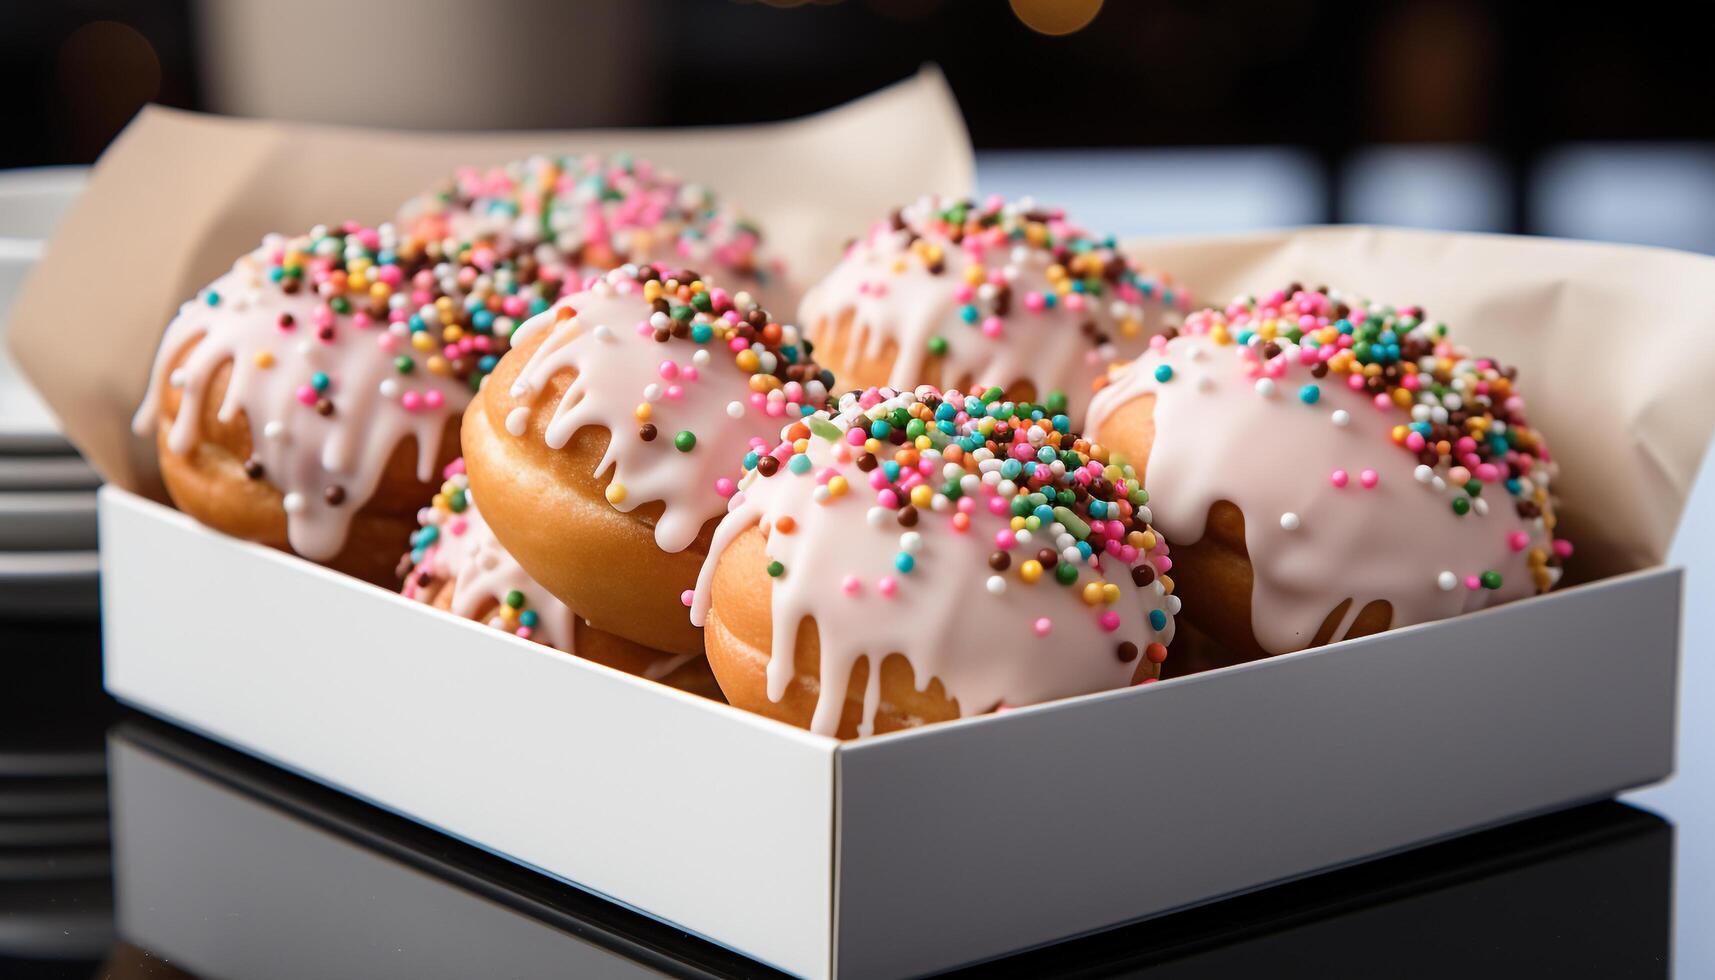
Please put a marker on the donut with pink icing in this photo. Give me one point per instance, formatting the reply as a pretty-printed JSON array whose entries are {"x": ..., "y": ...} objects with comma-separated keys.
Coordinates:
[
  {"x": 915, "y": 557},
  {"x": 1329, "y": 468},
  {"x": 456, "y": 564},
  {"x": 958, "y": 294},
  {"x": 605, "y": 445},
  {"x": 308, "y": 398},
  {"x": 579, "y": 216}
]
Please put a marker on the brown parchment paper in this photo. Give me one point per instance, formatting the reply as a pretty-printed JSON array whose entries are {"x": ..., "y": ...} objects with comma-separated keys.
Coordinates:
[
  {"x": 179, "y": 196},
  {"x": 1611, "y": 343}
]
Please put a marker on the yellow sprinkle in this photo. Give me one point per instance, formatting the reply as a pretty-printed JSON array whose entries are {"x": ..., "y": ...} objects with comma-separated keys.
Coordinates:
[
  {"x": 747, "y": 361},
  {"x": 438, "y": 365},
  {"x": 379, "y": 291},
  {"x": 1219, "y": 335},
  {"x": 1056, "y": 272},
  {"x": 440, "y": 502},
  {"x": 1167, "y": 584},
  {"x": 616, "y": 494},
  {"x": 264, "y": 360},
  {"x": 422, "y": 341},
  {"x": 652, "y": 290},
  {"x": 1130, "y": 327},
  {"x": 837, "y": 486},
  {"x": 764, "y": 382},
  {"x": 1402, "y": 397},
  {"x": 1036, "y": 233},
  {"x": 974, "y": 274},
  {"x": 644, "y": 411},
  {"x": 1092, "y": 594},
  {"x": 1148, "y": 541},
  {"x": 921, "y": 495},
  {"x": 1017, "y": 524},
  {"x": 1030, "y": 571},
  {"x": 1110, "y": 593},
  {"x": 923, "y": 442},
  {"x": 452, "y": 332},
  {"x": 801, "y": 445}
]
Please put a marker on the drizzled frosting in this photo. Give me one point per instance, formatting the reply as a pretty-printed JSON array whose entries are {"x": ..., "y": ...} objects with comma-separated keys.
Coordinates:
[
  {"x": 975, "y": 537},
  {"x": 342, "y": 344},
  {"x": 683, "y": 376},
  {"x": 454, "y": 547},
  {"x": 1372, "y": 459},
  {"x": 586, "y": 214},
  {"x": 996, "y": 293}
]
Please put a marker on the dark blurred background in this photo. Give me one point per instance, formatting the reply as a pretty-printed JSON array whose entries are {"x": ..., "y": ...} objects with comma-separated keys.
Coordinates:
[{"x": 1213, "y": 114}]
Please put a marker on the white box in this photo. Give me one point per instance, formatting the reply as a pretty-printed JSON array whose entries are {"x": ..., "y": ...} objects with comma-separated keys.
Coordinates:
[{"x": 910, "y": 852}]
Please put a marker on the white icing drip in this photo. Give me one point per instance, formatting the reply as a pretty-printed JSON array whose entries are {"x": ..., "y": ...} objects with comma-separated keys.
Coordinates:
[
  {"x": 891, "y": 296},
  {"x": 943, "y": 619},
  {"x": 1271, "y": 456},
  {"x": 481, "y": 572},
  {"x": 618, "y": 368},
  {"x": 302, "y": 452}
]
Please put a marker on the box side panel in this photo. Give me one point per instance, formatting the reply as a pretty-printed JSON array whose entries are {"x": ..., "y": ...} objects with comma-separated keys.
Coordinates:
[
  {"x": 615, "y": 784},
  {"x": 993, "y": 835}
]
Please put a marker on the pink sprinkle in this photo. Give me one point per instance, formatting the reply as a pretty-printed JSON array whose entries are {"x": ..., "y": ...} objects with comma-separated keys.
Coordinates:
[
  {"x": 388, "y": 342},
  {"x": 669, "y": 370},
  {"x": 411, "y": 401},
  {"x": 688, "y": 596},
  {"x": 1162, "y": 562},
  {"x": 690, "y": 373},
  {"x": 991, "y": 327},
  {"x": 963, "y": 293},
  {"x": 1338, "y": 478},
  {"x": 998, "y": 505},
  {"x": 1042, "y": 626},
  {"x": 1562, "y": 548},
  {"x": 1518, "y": 541},
  {"x": 725, "y": 487},
  {"x": 306, "y": 394},
  {"x": 525, "y": 632},
  {"x": 457, "y": 526},
  {"x": 1473, "y": 583},
  {"x": 433, "y": 399},
  {"x": 1488, "y": 473},
  {"x": 887, "y": 586},
  {"x": 850, "y": 585},
  {"x": 1109, "y": 621},
  {"x": 1004, "y": 539},
  {"x": 674, "y": 393},
  {"x": 1415, "y": 441},
  {"x": 1033, "y": 302},
  {"x": 1369, "y": 479},
  {"x": 855, "y": 436},
  {"x": 1383, "y": 402}
]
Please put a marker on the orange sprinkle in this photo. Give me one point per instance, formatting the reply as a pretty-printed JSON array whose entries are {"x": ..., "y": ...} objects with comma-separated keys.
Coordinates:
[{"x": 785, "y": 525}]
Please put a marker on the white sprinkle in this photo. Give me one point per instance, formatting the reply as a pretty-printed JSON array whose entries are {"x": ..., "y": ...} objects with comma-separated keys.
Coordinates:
[
  {"x": 1198, "y": 353},
  {"x": 1341, "y": 417},
  {"x": 1205, "y": 383},
  {"x": 652, "y": 393},
  {"x": 735, "y": 410},
  {"x": 1265, "y": 387},
  {"x": 1071, "y": 556},
  {"x": 1447, "y": 581},
  {"x": 970, "y": 484},
  {"x": 1424, "y": 473},
  {"x": 602, "y": 333},
  {"x": 940, "y": 502},
  {"x": 911, "y": 542},
  {"x": 1022, "y": 536},
  {"x": 1439, "y": 484},
  {"x": 178, "y": 378},
  {"x": 1144, "y": 515},
  {"x": 274, "y": 429},
  {"x": 388, "y": 387},
  {"x": 701, "y": 357},
  {"x": 660, "y": 321},
  {"x": 996, "y": 584},
  {"x": 821, "y": 494},
  {"x": 1062, "y": 540},
  {"x": 876, "y": 516},
  {"x": 1289, "y": 521},
  {"x": 1481, "y": 506},
  {"x": 518, "y": 420},
  {"x": 293, "y": 502},
  {"x": 1173, "y": 605}
]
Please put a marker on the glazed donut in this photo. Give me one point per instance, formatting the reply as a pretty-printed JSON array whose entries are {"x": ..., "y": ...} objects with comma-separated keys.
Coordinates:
[
  {"x": 580, "y": 216},
  {"x": 605, "y": 444},
  {"x": 307, "y": 398},
  {"x": 1330, "y": 468},
  {"x": 457, "y": 565},
  {"x": 954, "y": 294},
  {"x": 982, "y": 553}
]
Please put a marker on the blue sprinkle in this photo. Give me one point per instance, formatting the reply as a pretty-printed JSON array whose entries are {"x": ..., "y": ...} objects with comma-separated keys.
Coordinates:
[
  {"x": 904, "y": 562},
  {"x": 945, "y": 412},
  {"x": 891, "y": 468},
  {"x": 319, "y": 381},
  {"x": 482, "y": 319},
  {"x": 528, "y": 618},
  {"x": 750, "y": 459},
  {"x": 487, "y": 363},
  {"x": 968, "y": 313},
  {"x": 702, "y": 332},
  {"x": 1009, "y": 470},
  {"x": 799, "y": 464},
  {"x": 213, "y": 298},
  {"x": 1309, "y": 394},
  {"x": 1164, "y": 373},
  {"x": 1044, "y": 513},
  {"x": 1045, "y": 454},
  {"x": 1085, "y": 549},
  {"x": 1062, "y": 424},
  {"x": 1157, "y": 619}
]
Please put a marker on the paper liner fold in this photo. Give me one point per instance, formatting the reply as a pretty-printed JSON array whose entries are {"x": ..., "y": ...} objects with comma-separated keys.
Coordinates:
[{"x": 179, "y": 196}]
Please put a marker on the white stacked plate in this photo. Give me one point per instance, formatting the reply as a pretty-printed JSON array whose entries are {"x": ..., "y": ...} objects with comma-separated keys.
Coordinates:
[{"x": 47, "y": 492}]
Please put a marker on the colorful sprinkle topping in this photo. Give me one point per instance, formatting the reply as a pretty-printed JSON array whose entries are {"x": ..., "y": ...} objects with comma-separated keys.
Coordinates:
[
  {"x": 590, "y": 213},
  {"x": 1458, "y": 414}
]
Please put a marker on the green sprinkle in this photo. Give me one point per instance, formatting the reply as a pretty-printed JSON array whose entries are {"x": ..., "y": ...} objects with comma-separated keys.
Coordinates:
[
  {"x": 1066, "y": 573},
  {"x": 1073, "y": 523},
  {"x": 1461, "y": 505},
  {"x": 827, "y": 430},
  {"x": 685, "y": 440},
  {"x": 515, "y": 599},
  {"x": 1056, "y": 404},
  {"x": 1490, "y": 580},
  {"x": 775, "y": 569},
  {"x": 404, "y": 364},
  {"x": 938, "y": 346}
]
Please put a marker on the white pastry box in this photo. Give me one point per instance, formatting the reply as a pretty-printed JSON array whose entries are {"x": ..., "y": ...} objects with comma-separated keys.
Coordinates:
[{"x": 906, "y": 853}]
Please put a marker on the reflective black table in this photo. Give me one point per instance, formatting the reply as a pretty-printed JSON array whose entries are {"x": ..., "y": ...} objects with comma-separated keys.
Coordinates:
[{"x": 129, "y": 848}]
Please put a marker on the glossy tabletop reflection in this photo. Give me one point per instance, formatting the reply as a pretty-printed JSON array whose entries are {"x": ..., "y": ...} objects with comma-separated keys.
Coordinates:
[{"x": 129, "y": 848}]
